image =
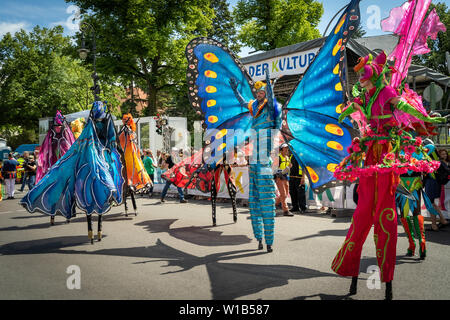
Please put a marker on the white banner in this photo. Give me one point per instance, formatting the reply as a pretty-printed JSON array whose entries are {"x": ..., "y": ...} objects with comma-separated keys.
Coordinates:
[
  {"x": 295, "y": 63},
  {"x": 332, "y": 198}
]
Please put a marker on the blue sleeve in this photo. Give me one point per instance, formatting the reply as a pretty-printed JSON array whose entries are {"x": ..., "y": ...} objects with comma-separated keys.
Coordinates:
[
  {"x": 274, "y": 106},
  {"x": 239, "y": 97}
]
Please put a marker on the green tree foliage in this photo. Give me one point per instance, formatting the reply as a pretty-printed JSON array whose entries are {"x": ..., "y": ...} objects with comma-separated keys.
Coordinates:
[
  {"x": 223, "y": 26},
  {"x": 38, "y": 76},
  {"x": 145, "y": 41},
  {"x": 436, "y": 58},
  {"x": 270, "y": 24},
  {"x": 359, "y": 32}
]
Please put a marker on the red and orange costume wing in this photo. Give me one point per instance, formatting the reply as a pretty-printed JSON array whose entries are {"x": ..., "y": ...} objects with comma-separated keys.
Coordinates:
[{"x": 137, "y": 176}]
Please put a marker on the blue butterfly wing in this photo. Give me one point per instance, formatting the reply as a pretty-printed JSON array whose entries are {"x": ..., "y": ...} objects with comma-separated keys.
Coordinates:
[
  {"x": 312, "y": 110},
  {"x": 113, "y": 159},
  {"x": 210, "y": 67},
  {"x": 81, "y": 177}
]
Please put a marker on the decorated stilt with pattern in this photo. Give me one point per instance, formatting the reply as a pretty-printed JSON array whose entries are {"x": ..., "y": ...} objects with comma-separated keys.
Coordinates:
[
  {"x": 213, "y": 200},
  {"x": 232, "y": 192}
]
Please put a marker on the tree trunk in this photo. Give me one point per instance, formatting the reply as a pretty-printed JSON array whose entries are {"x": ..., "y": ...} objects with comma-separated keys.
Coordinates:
[{"x": 151, "y": 100}]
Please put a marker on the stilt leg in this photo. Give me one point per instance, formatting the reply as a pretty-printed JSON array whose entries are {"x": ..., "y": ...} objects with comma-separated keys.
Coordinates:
[
  {"x": 90, "y": 233},
  {"x": 133, "y": 201},
  {"x": 353, "y": 286},
  {"x": 52, "y": 220},
  {"x": 388, "y": 294},
  {"x": 99, "y": 231},
  {"x": 213, "y": 201},
  {"x": 126, "y": 206},
  {"x": 232, "y": 192}
]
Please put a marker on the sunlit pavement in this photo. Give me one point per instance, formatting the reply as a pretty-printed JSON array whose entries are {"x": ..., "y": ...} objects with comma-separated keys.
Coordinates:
[{"x": 171, "y": 251}]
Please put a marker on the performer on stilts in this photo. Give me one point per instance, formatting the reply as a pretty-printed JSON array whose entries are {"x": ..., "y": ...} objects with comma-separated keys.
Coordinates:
[
  {"x": 137, "y": 177},
  {"x": 386, "y": 111},
  {"x": 377, "y": 162},
  {"x": 266, "y": 119},
  {"x": 58, "y": 140},
  {"x": 221, "y": 89},
  {"x": 88, "y": 176}
]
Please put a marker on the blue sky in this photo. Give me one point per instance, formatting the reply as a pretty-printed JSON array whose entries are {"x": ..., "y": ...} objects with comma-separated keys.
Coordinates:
[{"x": 17, "y": 14}]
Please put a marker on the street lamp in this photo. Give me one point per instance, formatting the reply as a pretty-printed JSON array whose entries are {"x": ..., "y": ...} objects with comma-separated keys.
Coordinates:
[{"x": 84, "y": 52}]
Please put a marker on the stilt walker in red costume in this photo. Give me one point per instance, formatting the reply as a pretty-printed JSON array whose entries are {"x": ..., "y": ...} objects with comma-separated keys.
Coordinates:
[{"x": 391, "y": 119}]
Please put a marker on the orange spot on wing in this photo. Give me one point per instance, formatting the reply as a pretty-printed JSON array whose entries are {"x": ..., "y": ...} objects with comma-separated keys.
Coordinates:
[
  {"x": 335, "y": 145},
  {"x": 337, "y": 47},
  {"x": 211, "y": 57},
  {"x": 332, "y": 167},
  {"x": 212, "y": 119},
  {"x": 211, "y": 89},
  {"x": 341, "y": 23},
  {"x": 210, "y": 74},
  {"x": 334, "y": 129},
  {"x": 312, "y": 174}
]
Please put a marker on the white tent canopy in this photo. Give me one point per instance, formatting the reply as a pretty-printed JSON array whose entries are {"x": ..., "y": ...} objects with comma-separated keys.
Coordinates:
[{"x": 80, "y": 114}]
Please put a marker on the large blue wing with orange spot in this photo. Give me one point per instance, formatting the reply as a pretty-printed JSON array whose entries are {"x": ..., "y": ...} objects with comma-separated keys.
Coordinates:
[
  {"x": 310, "y": 114},
  {"x": 211, "y": 65}
]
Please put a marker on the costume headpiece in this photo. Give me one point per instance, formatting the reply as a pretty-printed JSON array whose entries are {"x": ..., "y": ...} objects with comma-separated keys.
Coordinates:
[
  {"x": 260, "y": 86},
  {"x": 370, "y": 68},
  {"x": 127, "y": 120},
  {"x": 99, "y": 110},
  {"x": 59, "y": 118}
]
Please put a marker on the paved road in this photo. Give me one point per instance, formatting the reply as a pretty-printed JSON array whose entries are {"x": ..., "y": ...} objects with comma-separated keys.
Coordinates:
[{"x": 171, "y": 251}]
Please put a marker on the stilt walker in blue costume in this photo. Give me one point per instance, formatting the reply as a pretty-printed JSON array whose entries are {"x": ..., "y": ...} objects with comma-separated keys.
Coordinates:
[
  {"x": 266, "y": 116},
  {"x": 88, "y": 176},
  {"x": 235, "y": 110}
]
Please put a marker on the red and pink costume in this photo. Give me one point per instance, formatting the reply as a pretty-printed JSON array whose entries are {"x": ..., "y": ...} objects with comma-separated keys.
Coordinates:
[{"x": 377, "y": 159}]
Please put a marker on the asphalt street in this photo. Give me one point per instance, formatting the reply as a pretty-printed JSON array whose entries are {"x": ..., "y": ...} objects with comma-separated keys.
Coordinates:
[{"x": 171, "y": 251}]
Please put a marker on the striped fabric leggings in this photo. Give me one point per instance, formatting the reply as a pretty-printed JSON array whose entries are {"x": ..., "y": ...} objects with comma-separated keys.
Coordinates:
[{"x": 262, "y": 201}]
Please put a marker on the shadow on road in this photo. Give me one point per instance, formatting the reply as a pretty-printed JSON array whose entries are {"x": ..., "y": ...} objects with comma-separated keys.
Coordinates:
[
  {"x": 323, "y": 296},
  {"x": 60, "y": 220},
  {"x": 49, "y": 245},
  {"x": 324, "y": 233},
  {"x": 228, "y": 280},
  {"x": 442, "y": 236},
  {"x": 202, "y": 236}
]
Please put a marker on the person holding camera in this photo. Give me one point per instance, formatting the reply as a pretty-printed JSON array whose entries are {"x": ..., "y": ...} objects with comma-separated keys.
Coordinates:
[
  {"x": 169, "y": 163},
  {"x": 30, "y": 172}
]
